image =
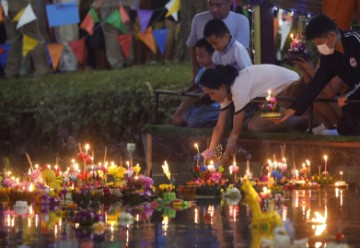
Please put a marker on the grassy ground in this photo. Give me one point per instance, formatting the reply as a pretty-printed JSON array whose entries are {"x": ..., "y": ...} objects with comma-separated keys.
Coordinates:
[{"x": 107, "y": 108}]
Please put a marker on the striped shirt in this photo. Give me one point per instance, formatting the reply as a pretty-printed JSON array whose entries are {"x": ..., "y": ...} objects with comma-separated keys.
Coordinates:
[{"x": 237, "y": 24}]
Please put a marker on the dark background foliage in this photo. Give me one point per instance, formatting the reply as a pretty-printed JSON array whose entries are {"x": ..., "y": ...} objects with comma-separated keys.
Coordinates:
[{"x": 103, "y": 108}]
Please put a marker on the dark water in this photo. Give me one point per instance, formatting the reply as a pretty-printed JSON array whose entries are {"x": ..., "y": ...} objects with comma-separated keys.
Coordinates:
[{"x": 210, "y": 223}]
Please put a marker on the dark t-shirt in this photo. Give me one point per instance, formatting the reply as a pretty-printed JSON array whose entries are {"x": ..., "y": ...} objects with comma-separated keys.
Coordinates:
[{"x": 346, "y": 66}]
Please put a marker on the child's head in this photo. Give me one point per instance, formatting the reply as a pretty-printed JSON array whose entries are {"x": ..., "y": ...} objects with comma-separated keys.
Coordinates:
[
  {"x": 217, "y": 34},
  {"x": 323, "y": 32},
  {"x": 204, "y": 52}
]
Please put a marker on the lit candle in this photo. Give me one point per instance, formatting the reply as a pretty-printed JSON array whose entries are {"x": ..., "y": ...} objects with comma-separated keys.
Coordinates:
[
  {"x": 87, "y": 146},
  {"x": 292, "y": 36},
  {"x": 265, "y": 193},
  {"x": 211, "y": 166},
  {"x": 166, "y": 170},
  {"x": 325, "y": 158},
  {"x": 128, "y": 164},
  {"x": 248, "y": 169},
  {"x": 341, "y": 174},
  {"x": 198, "y": 157},
  {"x": 268, "y": 98}
]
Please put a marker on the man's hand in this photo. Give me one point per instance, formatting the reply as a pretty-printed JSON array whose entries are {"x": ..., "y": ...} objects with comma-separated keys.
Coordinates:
[
  {"x": 342, "y": 101},
  {"x": 287, "y": 114}
]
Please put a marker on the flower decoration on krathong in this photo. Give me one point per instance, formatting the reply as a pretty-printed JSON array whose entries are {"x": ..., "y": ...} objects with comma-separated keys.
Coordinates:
[
  {"x": 85, "y": 157},
  {"x": 50, "y": 179},
  {"x": 139, "y": 185},
  {"x": 117, "y": 172},
  {"x": 99, "y": 227},
  {"x": 210, "y": 174},
  {"x": 166, "y": 187},
  {"x": 297, "y": 44}
]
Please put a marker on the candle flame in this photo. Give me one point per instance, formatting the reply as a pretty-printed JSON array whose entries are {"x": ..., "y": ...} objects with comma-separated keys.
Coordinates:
[{"x": 166, "y": 170}]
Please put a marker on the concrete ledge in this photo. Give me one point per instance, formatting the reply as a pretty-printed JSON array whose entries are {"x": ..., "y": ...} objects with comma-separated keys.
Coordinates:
[{"x": 176, "y": 145}]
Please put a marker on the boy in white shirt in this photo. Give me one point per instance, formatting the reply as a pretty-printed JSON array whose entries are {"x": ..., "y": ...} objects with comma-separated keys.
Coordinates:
[{"x": 228, "y": 51}]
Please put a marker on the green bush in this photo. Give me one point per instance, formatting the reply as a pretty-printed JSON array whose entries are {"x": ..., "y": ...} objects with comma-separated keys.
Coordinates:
[{"x": 101, "y": 107}]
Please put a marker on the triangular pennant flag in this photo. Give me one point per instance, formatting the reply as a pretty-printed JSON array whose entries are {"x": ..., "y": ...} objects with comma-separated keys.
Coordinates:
[
  {"x": 89, "y": 22},
  {"x": 1, "y": 14},
  {"x": 144, "y": 18},
  {"x": 55, "y": 52},
  {"x": 26, "y": 17},
  {"x": 18, "y": 15},
  {"x": 78, "y": 48},
  {"x": 115, "y": 20},
  {"x": 4, "y": 54},
  {"x": 160, "y": 36},
  {"x": 95, "y": 17},
  {"x": 125, "y": 42},
  {"x": 5, "y": 7},
  {"x": 148, "y": 39},
  {"x": 28, "y": 44},
  {"x": 173, "y": 8},
  {"x": 124, "y": 15}
]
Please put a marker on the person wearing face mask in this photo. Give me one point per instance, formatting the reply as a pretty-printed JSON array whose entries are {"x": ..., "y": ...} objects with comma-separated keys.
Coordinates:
[{"x": 340, "y": 56}]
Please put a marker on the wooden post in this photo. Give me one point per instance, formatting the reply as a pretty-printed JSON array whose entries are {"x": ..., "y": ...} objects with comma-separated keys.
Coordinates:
[
  {"x": 257, "y": 34},
  {"x": 148, "y": 153}
]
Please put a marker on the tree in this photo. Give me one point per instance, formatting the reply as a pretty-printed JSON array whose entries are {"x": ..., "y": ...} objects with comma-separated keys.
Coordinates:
[{"x": 188, "y": 10}]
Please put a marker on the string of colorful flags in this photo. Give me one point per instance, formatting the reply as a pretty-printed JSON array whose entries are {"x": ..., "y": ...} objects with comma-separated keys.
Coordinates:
[{"x": 118, "y": 18}]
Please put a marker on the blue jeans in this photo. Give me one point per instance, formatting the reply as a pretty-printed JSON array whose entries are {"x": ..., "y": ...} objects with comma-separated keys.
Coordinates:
[{"x": 202, "y": 116}]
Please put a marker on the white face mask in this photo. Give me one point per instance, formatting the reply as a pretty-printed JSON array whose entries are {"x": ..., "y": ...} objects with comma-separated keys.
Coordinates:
[{"x": 324, "y": 49}]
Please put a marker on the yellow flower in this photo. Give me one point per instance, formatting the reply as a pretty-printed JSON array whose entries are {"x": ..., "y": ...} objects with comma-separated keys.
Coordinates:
[
  {"x": 100, "y": 173},
  {"x": 99, "y": 227},
  {"x": 120, "y": 172},
  {"x": 137, "y": 169}
]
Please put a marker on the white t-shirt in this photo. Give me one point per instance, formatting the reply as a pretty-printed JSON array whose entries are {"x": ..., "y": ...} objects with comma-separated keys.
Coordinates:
[
  {"x": 255, "y": 81},
  {"x": 234, "y": 54},
  {"x": 237, "y": 24}
]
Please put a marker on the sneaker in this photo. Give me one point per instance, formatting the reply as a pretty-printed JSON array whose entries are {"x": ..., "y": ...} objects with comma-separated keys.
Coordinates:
[
  {"x": 318, "y": 129},
  {"x": 332, "y": 132}
]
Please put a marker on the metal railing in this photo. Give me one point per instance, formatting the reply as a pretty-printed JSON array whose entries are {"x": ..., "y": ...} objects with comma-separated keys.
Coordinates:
[{"x": 257, "y": 99}]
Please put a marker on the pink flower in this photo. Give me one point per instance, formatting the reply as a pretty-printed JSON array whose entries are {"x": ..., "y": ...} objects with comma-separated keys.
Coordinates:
[{"x": 273, "y": 100}]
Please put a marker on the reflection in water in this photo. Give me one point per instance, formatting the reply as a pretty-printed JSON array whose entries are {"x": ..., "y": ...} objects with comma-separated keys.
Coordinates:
[{"x": 315, "y": 215}]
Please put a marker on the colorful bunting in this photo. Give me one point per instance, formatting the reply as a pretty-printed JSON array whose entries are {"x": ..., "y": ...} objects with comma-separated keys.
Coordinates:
[
  {"x": 63, "y": 14},
  {"x": 26, "y": 17},
  {"x": 160, "y": 36},
  {"x": 144, "y": 18},
  {"x": 89, "y": 22},
  {"x": 124, "y": 15},
  {"x": 173, "y": 8},
  {"x": 55, "y": 51},
  {"x": 28, "y": 44},
  {"x": 125, "y": 42},
  {"x": 5, "y": 7},
  {"x": 148, "y": 39},
  {"x": 115, "y": 20},
  {"x": 79, "y": 50},
  {"x": 4, "y": 54},
  {"x": 18, "y": 15}
]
